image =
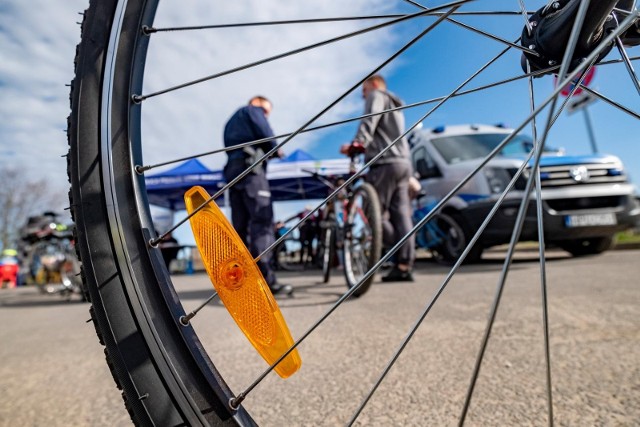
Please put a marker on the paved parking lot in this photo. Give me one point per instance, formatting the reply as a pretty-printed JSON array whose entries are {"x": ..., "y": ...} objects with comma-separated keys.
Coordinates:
[{"x": 52, "y": 371}]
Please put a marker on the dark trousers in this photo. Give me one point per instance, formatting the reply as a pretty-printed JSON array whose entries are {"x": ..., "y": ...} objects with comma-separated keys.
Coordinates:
[
  {"x": 252, "y": 217},
  {"x": 391, "y": 181}
]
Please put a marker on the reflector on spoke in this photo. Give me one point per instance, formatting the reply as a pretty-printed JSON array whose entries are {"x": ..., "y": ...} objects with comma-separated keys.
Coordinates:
[{"x": 240, "y": 284}]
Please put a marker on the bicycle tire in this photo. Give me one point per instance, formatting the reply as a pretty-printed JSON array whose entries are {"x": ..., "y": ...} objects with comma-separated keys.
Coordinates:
[
  {"x": 364, "y": 205},
  {"x": 328, "y": 253},
  {"x": 165, "y": 376}
]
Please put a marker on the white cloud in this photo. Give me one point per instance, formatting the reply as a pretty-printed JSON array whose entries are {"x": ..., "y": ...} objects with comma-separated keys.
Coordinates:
[
  {"x": 38, "y": 41},
  {"x": 299, "y": 86}
]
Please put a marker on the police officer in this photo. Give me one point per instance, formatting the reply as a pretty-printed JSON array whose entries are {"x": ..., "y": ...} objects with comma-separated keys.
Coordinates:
[{"x": 251, "y": 207}]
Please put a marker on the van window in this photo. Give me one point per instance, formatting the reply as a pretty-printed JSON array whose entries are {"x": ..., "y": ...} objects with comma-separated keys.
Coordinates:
[
  {"x": 423, "y": 164},
  {"x": 455, "y": 149}
]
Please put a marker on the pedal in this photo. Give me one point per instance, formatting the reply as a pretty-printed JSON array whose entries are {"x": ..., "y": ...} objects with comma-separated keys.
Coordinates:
[{"x": 240, "y": 284}]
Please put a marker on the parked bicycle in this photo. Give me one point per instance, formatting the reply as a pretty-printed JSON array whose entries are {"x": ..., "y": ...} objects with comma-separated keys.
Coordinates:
[
  {"x": 298, "y": 248},
  {"x": 49, "y": 258},
  {"x": 286, "y": 256},
  {"x": 442, "y": 235},
  {"x": 350, "y": 229}
]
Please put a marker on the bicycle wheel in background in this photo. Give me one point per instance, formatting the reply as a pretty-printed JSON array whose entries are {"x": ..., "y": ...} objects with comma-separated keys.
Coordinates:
[
  {"x": 287, "y": 255},
  {"x": 446, "y": 237},
  {"x": 362, "y": 237},
  {"x": 155, "y": 357}
]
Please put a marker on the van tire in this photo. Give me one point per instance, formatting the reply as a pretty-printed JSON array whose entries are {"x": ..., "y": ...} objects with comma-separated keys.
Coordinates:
[{"x": 590, "y": 246}]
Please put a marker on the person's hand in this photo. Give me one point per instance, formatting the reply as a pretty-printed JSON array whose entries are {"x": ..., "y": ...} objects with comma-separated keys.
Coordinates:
[
  {"x": 353, "y": 149},
  {"x": 279, "y": 154}
]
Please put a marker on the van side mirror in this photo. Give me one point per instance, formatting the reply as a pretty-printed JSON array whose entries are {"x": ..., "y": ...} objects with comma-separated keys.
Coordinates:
[{"x": 425, "y": 171}]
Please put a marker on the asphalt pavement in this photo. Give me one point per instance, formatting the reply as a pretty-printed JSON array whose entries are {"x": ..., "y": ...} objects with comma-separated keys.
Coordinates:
[{"x": 52, "y": 370}]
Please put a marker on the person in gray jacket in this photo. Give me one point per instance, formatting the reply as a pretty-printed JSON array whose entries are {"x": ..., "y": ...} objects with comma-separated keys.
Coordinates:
[{"x": 390, "y": 174}]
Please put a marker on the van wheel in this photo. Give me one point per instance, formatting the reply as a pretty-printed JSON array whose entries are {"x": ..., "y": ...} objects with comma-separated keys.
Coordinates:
[
  {"x": 454, "y": 238},
  {"x": 592, "y": 246}
]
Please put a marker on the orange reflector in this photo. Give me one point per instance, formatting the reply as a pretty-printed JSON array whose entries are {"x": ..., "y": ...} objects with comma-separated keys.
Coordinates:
[{"x": 240, "y": 284}]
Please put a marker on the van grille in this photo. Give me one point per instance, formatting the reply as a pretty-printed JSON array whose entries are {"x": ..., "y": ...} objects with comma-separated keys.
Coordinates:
[{"x": 568, "y": 175}]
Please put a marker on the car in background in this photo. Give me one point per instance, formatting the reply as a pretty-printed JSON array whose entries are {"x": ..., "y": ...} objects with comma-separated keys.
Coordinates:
[{"x": 586, "y": 199}]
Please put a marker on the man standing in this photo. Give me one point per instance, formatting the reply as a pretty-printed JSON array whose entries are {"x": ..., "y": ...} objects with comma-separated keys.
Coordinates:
[
  {"x": 390, "y": 174},
  {"x": 251, "y": 207}
]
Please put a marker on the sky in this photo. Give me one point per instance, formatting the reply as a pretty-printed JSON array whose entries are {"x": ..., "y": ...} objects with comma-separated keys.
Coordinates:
[{"x": 37, "y": 46}]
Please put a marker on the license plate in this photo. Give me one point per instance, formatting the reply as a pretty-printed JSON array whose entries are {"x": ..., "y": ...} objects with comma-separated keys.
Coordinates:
[{"x": 590, "y": 220}]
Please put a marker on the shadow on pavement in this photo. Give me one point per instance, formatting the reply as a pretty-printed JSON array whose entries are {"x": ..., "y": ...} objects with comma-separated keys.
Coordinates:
[{"x": 24, "y": 297}]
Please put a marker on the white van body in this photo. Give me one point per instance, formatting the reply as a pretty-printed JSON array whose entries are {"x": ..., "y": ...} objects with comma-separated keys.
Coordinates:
[{"x": 585, "y": 199}]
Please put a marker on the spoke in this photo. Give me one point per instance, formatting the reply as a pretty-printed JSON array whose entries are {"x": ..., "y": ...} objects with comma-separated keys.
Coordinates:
[
  {"x": 487, "y": 13},
  {"x": 515, "y": 236},
  {"x": 622, "y": 11},
  {"x": 541, "y": 255},
  {"x": 502, "y": 12},
  {"x": 150, "y": 30},
  {"x": 140, "y": 98},
  {"x": 481, "y": 32},
  {"x": 611, "y": 102},
  {"x": 184, "y": 320},
  {"x": 523, "y": 9},
  {"x": 628, "y": 65}
]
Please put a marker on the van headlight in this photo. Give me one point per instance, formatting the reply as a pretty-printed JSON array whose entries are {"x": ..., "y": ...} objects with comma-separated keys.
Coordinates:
[{"x": 498, "y": 179}]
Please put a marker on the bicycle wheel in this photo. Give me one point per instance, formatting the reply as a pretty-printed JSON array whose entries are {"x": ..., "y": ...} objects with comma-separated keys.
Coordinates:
[
  {"x": 287, "y": 257},
  {"x": 362, "y": 237},
  {"x": 447, "y": 238},
  {"x": 157, "y": 360}
]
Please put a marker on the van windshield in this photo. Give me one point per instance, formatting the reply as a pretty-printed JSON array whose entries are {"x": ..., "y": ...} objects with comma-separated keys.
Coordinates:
[{"x": 455, "y": 149}]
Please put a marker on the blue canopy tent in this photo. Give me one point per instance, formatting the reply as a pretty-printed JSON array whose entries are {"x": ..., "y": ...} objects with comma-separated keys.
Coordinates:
[
  {"x": 289, "y": 179},
  {"x": 166, "y": 189}
]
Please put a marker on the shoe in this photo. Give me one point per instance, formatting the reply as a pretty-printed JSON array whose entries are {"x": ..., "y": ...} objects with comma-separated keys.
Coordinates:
[
  {"x": 281, "y": 289},
  {"x": 397, "y": 275},
  {"x": 387, "y": 265}
]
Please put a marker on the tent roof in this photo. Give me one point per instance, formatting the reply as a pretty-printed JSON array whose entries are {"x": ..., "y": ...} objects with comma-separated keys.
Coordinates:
[
  {"x": 192, "y": 166},
  {"x": 290, "y": 178},
  {"x": 298, "y": 156},
  {"x": 166, "y": 189}
]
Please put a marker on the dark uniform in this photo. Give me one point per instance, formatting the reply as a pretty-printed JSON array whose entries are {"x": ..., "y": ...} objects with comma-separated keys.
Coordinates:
[{"x": 251, "y": 208}]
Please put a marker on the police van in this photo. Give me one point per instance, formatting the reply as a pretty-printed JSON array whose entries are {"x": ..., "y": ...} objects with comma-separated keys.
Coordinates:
[{"x": 586, "y": 200}]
